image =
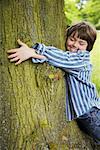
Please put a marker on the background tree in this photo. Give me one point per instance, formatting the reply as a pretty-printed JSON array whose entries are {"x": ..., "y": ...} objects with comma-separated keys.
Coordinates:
[
  {"x": 32, "y": 97},
  {"x": 78, "y": 10},
  {"x": 91, "y": 12},
  {"x": 71, "y": 11}
]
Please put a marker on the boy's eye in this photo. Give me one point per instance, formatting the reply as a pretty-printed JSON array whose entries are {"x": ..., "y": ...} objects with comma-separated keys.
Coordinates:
[
  {"x": 72, "y": 39},
  {"x": 82, "y": 44}
]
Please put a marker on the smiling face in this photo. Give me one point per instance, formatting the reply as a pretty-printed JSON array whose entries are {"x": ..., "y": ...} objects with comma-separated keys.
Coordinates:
[
  {"x": 80, "y": 36},
  {"x": 74, "y": 43}
]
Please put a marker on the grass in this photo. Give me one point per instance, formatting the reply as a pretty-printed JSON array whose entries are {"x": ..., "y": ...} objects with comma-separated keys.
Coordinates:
[{"x": 95, "y": 59}]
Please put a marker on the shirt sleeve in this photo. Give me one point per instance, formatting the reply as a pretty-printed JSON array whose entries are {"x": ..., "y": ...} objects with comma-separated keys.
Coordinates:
[{"x": 60, "y": 58}]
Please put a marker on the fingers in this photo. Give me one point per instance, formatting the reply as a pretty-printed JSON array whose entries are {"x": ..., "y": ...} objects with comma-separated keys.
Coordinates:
[
  {"x": 18, "y": 62},
  {"x": 12, "y": 55},
  {"x": 12, "y": 51},
  {"x": 17, "y": 49},
  {"x": 14, "y": 59},
  {"x": 21, "y": 43}
]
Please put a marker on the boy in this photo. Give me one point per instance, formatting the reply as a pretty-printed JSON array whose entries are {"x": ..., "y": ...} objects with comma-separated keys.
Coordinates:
[{"x": 81, "y": 98}]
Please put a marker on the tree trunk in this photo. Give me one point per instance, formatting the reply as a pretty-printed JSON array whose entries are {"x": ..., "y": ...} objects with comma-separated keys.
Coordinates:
[{"x": 32, "y": 96}]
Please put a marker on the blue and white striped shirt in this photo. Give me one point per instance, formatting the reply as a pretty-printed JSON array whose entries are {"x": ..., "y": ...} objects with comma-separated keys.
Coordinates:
[{"x": 80, "y": 92}]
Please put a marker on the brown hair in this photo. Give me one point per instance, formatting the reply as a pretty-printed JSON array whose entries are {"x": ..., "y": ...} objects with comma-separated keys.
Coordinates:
[{"x": 85, "y": 32}]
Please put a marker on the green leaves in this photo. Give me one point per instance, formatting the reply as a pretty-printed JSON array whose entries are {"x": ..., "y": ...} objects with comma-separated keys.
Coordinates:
[
  {"x": 71, "y": 11},
  {"x": 91, "y": 12},
  {"x": 77, "y": 10}
]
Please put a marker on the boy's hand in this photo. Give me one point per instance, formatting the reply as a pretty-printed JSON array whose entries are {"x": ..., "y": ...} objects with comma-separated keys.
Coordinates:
[{"x": 23, "y": 53}]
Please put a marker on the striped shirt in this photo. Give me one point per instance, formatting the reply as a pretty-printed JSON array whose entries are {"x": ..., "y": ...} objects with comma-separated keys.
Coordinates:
[{"x": 81, "y": 93}]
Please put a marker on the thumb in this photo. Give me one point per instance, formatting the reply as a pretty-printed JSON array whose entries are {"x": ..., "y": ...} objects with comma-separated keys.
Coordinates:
[{"x": 21, "y": 43}]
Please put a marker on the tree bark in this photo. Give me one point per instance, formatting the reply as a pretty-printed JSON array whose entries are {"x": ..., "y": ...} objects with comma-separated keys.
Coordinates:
[{"x": 32, "y": 96}]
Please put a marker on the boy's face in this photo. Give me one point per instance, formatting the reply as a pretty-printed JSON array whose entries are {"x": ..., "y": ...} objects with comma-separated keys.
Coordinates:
[{"x": 74, "y": 43}]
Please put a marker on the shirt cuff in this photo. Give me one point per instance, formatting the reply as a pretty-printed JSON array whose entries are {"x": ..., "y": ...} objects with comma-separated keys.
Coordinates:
[{"x": 39, "y": 49}]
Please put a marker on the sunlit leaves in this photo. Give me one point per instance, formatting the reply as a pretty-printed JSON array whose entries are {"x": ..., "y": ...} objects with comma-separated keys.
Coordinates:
[
  {"x": 91, "y": 12},
  {"x": 88, "y": 10},
  {"x": 71, "y": 11}
]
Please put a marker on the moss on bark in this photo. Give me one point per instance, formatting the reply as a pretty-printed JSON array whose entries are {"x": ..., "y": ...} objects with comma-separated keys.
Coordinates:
[{"x": 32, "y": 97}]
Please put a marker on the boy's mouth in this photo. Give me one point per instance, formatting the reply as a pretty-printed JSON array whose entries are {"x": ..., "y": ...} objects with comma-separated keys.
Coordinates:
[{"x": 72, "y": 49}]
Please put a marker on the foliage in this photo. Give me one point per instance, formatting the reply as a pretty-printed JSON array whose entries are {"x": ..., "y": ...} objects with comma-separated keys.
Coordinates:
[
  {"x": 95, "y": 58},
  {"x": 71, "y": 11},
  {"x": 88, "y": 10},
  {"x": 91, "y": 12}
]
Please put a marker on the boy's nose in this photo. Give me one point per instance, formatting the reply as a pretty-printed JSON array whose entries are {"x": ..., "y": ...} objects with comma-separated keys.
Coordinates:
[{"x": 75, "y": 44}]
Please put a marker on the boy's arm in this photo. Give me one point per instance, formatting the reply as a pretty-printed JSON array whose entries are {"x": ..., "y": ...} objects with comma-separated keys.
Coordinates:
[
  {"x": 60, "y": 58},
  {"x": 54, "y": 56},
  {"x": 23, "y": 53}
]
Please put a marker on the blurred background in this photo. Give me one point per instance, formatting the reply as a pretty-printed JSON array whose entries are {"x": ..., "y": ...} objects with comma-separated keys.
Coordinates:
[{"x": 87, "y": 10}]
